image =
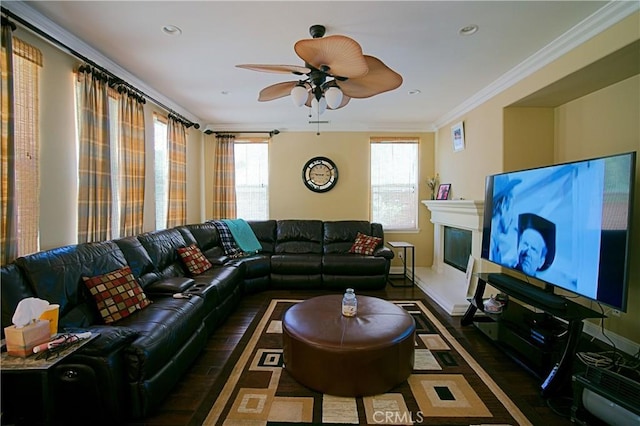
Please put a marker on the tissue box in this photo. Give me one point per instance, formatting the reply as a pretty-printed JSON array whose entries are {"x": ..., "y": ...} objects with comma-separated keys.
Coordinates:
[{"x": 21, "y": 341}]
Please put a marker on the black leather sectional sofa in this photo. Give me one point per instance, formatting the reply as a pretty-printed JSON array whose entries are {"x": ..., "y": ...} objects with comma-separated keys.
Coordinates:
[{"x": 130, "y": 368}]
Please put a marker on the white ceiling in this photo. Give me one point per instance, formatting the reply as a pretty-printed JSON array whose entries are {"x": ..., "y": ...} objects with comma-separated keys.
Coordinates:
[{"x": 196, "y": 71}]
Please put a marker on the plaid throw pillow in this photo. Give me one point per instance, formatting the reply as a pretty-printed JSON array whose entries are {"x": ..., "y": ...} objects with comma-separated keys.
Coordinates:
[
  {"x": 193, "y": 259},
  {"x": 229, "y": 245},
  {"x": 365, "y": 244},
  {"x": 117, "y": 294}
]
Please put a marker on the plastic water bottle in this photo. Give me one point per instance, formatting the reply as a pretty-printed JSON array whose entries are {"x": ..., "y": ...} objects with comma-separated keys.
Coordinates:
[{"x": 349, "y": 303}]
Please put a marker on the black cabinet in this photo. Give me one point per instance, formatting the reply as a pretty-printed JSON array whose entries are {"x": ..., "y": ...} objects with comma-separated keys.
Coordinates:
[{"x": 543, "y": 341}]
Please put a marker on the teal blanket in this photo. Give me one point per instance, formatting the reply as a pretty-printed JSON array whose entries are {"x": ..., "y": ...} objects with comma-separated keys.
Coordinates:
[{"x": 243, "y": 234}]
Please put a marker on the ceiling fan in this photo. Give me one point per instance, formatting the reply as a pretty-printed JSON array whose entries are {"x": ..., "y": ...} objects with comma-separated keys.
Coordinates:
[{"x": 335, "y": 71}]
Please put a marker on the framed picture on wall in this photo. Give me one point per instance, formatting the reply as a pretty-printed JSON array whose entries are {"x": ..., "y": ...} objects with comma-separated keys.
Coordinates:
[
  {"x": 443, "y": 191},
  {"x": 457, "y": 136}
]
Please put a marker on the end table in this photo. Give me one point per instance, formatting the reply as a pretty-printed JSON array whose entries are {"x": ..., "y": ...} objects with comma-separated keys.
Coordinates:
[
  {"x": 404, "y": 246},
  {"x": 11, "y": 365}
]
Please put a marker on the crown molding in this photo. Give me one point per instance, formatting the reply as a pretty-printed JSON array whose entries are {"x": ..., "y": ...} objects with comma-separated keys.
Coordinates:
[
  {"x": 610, "y": 14},
  {"x": 74, "y": 44}
]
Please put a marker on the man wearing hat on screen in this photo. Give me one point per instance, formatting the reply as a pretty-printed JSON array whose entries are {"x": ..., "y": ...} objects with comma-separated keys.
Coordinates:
[
  {"x": 504, "y": 234},
  {"x": 536, "y": 243}
]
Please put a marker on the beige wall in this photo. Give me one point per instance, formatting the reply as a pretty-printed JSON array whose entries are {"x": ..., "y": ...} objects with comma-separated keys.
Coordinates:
[
  {"x": 58, "y": 152},
  {"x": 602, "y": 123},
  {"x": 528, "y": 137},
  {"x": 500, "y": 138}
]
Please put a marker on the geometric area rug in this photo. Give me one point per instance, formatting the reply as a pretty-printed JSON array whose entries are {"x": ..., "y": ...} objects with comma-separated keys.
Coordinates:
[{"x": 447, "y": 386}]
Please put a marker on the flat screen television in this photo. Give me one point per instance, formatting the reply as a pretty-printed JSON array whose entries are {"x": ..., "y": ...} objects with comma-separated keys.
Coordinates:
[{"x": 567, "y": 225}]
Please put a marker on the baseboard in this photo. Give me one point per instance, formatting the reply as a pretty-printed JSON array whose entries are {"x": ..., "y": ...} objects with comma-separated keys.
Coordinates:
[
  {"x": 399, "y": 270},
  {"x": 622, "y": 343}
]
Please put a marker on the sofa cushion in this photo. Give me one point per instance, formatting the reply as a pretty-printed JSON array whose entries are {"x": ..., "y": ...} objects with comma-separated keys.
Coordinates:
[
  {"x": 162, "y": 247},
  {"x": 299, "y": 237},
  {"x": 354, "y": 265},
  {"x": 56, "y": 275},
  {"x": 205, "y": 234},
  {"x": 339, "y": 236},
  {"x": 117, "y": 294},
  {"x": 138, "y": 259},
  {"x": 265, "y": 231},
  {"x": 365, "y": 244},
  {"x": 163, "y": 329},
  {"x": 194, "y": 260},
  {"x": 296, "y": 264}
]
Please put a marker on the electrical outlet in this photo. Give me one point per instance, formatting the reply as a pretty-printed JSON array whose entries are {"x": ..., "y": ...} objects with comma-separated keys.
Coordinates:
[{"x": 615, "y": 312}]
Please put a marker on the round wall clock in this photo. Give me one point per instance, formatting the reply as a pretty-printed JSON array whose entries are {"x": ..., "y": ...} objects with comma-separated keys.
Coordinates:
[{"x": 320, "y": 174}]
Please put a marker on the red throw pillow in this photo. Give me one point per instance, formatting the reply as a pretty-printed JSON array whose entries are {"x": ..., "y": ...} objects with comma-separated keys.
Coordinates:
[
  {"x": 117, "y": 294},
  {"x": 365, "y": 244},
  {"x": 194, "y": 260}
]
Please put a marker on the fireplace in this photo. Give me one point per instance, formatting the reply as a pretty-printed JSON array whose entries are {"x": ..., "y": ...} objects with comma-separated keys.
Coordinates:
[
  {"x": 456, "y": 247},
  {"x": 457, "y": 222}
]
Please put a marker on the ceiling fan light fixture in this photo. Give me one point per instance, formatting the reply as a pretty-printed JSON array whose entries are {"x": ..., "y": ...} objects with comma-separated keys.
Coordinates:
[
  {"x": 299, "y": 94},
  {"x": 333, "y": 95},
  {"x": 319, "y": 106}
]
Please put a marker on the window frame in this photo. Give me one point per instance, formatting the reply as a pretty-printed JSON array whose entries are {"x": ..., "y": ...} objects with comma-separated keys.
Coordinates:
[
  {"x": 253, "y": 141},
  {"x": 161, "y": 208},
  {"x": 414, "y": 186}
]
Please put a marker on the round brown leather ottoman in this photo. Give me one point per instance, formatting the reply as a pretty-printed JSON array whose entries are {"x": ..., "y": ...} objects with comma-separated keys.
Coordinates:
[{"x": 365, "y": 355}]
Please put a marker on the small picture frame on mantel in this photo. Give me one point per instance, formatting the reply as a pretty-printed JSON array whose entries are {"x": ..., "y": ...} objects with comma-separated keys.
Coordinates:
[
  {"x": 443, "y": 191},
  {"x": 457, "y": 136}
]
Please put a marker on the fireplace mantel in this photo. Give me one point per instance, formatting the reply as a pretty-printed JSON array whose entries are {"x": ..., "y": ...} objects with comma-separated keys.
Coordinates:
[
  {"x": 443, "y": 283},
  {"x": 466, "y": 214}
]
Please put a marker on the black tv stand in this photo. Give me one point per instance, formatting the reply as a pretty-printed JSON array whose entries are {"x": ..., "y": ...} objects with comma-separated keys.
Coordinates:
[{"x": 553, "y": 307}]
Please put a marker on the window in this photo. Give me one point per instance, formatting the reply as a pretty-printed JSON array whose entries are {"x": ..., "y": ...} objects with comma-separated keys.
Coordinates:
[
  {"x": 114, "y": 144},
  {"x": 27, "y": 61},
  {"x": 252, "y": 179},
  {"x": 394, "y": 183},
  {"x": 161, "y": 170}
]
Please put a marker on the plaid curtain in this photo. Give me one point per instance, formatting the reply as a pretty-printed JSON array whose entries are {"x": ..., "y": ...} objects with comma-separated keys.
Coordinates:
[
  {"x": 132, "y": 163},
  {"x": 224, "y": 184},
  {"x": 177, "y": 150},
  {"x": 9, "y": 230},
  {"x": 94, "y": 191}
]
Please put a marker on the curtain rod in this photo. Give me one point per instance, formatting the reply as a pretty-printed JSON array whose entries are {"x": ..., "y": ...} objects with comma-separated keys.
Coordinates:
[
  {"x": 188, "y": 123},
  {"x": 221, "y": 132}
]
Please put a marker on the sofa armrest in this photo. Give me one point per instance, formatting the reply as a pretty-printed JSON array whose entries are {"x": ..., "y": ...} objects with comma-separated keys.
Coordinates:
[
  {"x": 217, "y": 260},
  {"x": 110, "y": 339},
  {"x": 169, "y": 285},
  {"x": 385, "y": 252}
]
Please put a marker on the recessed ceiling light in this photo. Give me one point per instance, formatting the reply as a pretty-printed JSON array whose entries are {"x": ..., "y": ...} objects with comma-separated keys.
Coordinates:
[
  {"x": 468, "y": 30},
  {"x": 414, "y": 92},
  {"x": 171, "y": 30}
]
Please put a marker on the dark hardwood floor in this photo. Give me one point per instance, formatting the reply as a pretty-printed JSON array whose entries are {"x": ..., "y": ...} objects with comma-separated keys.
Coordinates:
[{"x": 185, "y": 398}]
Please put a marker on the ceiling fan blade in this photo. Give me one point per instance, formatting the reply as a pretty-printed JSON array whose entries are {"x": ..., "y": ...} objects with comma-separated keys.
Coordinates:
[
  {"x": 379, "y": 79},
  {"x": 276, "y": 91},
  {"x": 341, "y": 54},
  {"x": 280, "y": 69}
]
